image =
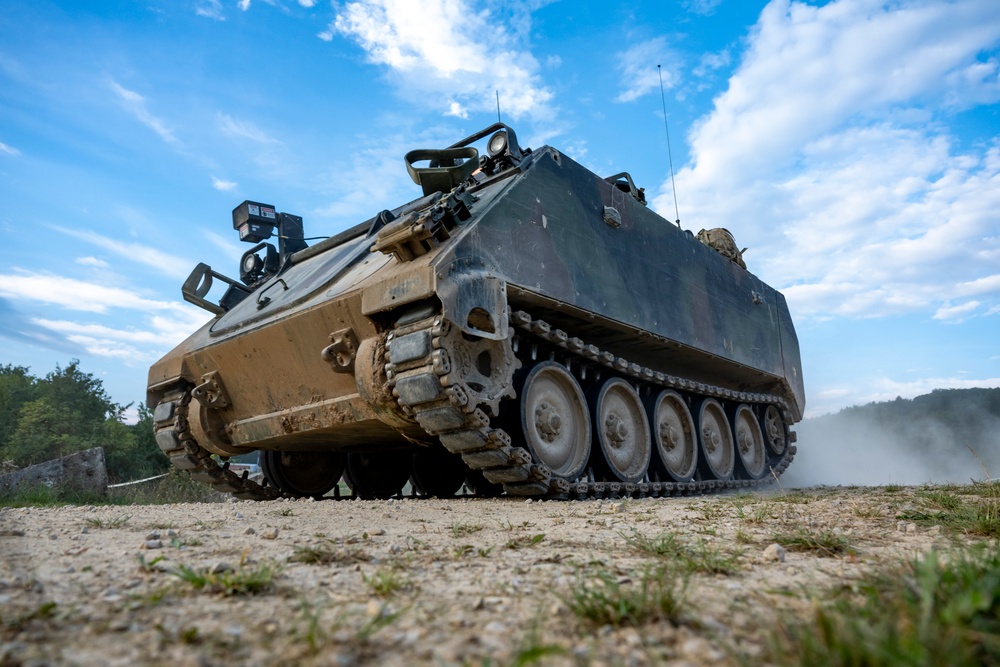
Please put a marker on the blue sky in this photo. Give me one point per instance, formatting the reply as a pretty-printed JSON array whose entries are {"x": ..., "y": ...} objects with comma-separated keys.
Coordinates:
[{"x": 853, "y": 146}]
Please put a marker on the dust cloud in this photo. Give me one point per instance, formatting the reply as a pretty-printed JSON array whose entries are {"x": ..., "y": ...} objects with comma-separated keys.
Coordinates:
[{"x": 855, "y": 449}]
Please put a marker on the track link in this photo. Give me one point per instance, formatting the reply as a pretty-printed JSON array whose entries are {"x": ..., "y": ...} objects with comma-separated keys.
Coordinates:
[
  {"x": 420, "y": 374},
  {"x": 173, "y": 436}
]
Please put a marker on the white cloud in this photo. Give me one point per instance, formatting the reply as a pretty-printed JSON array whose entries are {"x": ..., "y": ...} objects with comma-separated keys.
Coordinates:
[
  {"x": 135, "y": 104},
  {"x": 136, "y": 252},
  {"x": 830, "y": 157},
  {"x": 243, "y": 4},
  {"x": 211, "y": 9},
  {"x": 244, "y": 130},
  {"x": 711, "y": 62},
  {"x": 702, "y": 7},
  {"x": 225, "y": 186},
  {"x": 638, "y": 67},
  {"x": 92, "y": 261},
  {"x": 956, "y": 312},
  {"x": 9, "y": 150},
  {"x": 452, "y": 51},
  {"x": 307, "y": 3},
  {"x": 76, "y": 295}
]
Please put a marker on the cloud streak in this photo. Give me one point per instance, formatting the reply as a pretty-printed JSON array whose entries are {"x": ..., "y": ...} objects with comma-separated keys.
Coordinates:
[
  {"x": 156, "y": 259},
  {"x": 135, "y": 104}
]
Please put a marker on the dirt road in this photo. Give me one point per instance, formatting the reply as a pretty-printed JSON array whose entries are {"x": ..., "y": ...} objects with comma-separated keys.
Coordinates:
[{"x": 436, "y": 582}]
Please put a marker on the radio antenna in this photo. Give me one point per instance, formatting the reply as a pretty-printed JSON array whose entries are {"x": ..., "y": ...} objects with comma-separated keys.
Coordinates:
[
  {"x": 670, "y": 157},
  {"x": 498, "y": 107}
]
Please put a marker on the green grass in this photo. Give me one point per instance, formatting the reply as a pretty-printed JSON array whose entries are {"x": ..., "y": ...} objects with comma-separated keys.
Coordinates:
[
  {"x": 244, "y": 580},
  {"x": 933, "y": 611},
  {"x": 386, "y": 582},
  {"x": 973, "y": 510},
  {"x": 319, "y": 554},
  {"x": 822, "y": 543},
  {"x": 679, "y": 555},
  {"x": 525, "y": 541},
  {"x": 113, "y": 522},
  {"x": 463, "y": 529},
  {"x": 176, "y": 487},
  {"x": 598, "y": 598}
]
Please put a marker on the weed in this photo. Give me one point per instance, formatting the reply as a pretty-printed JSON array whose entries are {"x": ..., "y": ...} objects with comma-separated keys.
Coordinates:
[
  {"x": 824, "y": 543},
  {"x": 286, "y": 512},
  {"x": 463, "y": 550},
  {"x": 525, "y": 541},
  {"x": 115, "y": 522},
  {"x": 242, "y": 581},
  {"x": 386, "y": 582},
  {"x": 383, "y": 619},
  {"x": 760, "y": 514},
  {"x": 867, "y": 512},
  {"x": 462, "y": 529},
  {"x": 743, "y": 538},
  {"x": 893, "y": 488},
  {"x": 319, "y": 554},
  {"x": 928, "y": 612},
  {"x": 598, "y": 598},
  {"x": 700, "y": 557}
]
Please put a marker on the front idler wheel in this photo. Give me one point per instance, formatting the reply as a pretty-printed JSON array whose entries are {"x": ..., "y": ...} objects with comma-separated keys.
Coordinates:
[
  {"x": 377, "y": 476},
  {"x": 302, "y": 474},
  {"x": 715, "y": 440},
  {"x": 555, "y": 419},
  {"x": 622, "y": 430},
  {"x": 437, "y": 472}
]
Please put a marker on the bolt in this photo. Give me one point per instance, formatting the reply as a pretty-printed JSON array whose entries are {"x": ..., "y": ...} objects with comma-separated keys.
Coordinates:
[
  {"x": 616, "y": 429},
  {"x": 669, "y": 436},
  {"x": 547, "y": 421},
  {"x": 712, "y": 439},
  {"x": 745, "y": 439}
]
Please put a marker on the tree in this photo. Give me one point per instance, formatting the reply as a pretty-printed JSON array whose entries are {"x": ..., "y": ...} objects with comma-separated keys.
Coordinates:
[
  {"x": 69, "y": 411},
  {"x": 17, "y": 387}
]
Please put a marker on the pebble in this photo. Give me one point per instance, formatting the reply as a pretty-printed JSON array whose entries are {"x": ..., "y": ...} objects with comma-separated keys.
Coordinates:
[
  {"x": 154, "y": 535},
  {"x": 269, "y": 534},
  {"x": 249, "y": 531},
  {"x": 153, "y": 544},
  {"x": 775, "y": 552}
]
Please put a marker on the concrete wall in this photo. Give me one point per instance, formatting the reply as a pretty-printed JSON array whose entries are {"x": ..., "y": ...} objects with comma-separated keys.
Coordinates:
[{"x": 82, "y": 471}]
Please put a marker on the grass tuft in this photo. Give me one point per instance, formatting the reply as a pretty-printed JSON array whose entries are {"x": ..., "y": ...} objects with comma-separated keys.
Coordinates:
[
  {"x": 930, "y": 612},
  {"x": 242, "y": 581},
  {"x": 824, "y": 543},
  {"x": 680, "y": 555},
  {"x": 599, "y": 598}
]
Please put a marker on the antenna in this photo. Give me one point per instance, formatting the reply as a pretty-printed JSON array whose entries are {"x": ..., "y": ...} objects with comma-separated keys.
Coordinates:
[
  {"x": 673, "y": 186},
  {"x": 498, "y": 107}
]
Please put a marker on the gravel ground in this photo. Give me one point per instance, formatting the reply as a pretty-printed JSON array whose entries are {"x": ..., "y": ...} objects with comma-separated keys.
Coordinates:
[{"x": 432, "y": 582}]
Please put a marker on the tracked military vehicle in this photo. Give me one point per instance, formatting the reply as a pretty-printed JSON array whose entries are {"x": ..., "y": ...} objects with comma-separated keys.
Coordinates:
[{"x": 523, "y": 327}]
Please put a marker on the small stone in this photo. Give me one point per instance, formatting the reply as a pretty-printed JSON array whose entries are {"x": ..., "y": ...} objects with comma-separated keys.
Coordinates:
[
  {"x": 219, "y": 567},
  {"x": 238, "y": 515},
  {"x": 375, "y": 532},
  {"x": 775, "y": 552},
  {"x": 911, "y": 527},
  {"x": 171, "y": 534},
  {"x": 269, "y": 534},
  {"x": 249, "y": 531},
  {"x": 934, "y": 530},
  {"x": 153, "y": 535},
  {"x": 85, "y": 530},
  {"x": 617, "y": 508},
  {"x": 153, "y": 544}
]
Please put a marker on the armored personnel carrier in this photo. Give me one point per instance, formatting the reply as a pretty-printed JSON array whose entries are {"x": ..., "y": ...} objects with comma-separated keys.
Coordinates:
[{"x": 523, "y": 327}]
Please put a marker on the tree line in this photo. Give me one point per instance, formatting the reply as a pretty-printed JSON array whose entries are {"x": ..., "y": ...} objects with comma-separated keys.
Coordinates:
[{"x": 67, "y": 411}]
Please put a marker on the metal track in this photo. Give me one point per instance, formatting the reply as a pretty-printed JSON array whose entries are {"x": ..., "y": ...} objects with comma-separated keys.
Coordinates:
[
  {"x": 420, "y": 373},
  {"x": 170, "y": 421}
]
